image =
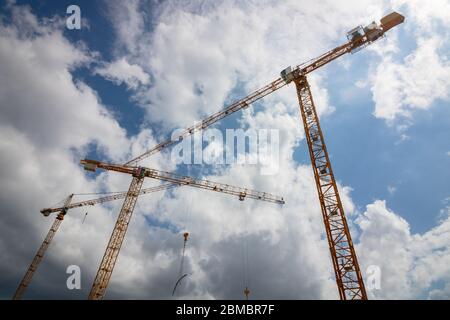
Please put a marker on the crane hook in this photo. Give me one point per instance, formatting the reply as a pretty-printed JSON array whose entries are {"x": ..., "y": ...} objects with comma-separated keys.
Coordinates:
[
  {"x": 84, "y": 218},
  {"x": 246, "y": 292}
]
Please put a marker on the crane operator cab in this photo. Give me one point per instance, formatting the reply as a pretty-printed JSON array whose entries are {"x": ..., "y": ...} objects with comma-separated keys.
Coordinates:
[
  {"x": 287, "y": 75},
  {"x": 363, "y": 36}
]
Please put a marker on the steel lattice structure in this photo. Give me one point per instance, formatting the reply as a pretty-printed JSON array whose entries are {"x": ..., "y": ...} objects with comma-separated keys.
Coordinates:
[
  {"x": 115, "y": 242},
  {"x": 117, "y": 196},
  {"x": 348, "y": 275},
  {"x": 41, "y": 252}
]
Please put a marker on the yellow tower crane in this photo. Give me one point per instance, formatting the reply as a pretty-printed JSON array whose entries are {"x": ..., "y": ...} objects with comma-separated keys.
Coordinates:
[
  {"x": 346, "y": 268},
  {"x": 60, "y": 214},
  {"x": 138, "y": 174}
]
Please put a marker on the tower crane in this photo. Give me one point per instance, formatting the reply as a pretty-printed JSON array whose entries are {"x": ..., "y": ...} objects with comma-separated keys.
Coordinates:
[
  {"x": 116, "y": 196},
  {"x": 60, "y": 213},
  {"x": 41, "y": 251},
  {"x": 138, "y": 174},
  {"x": 346, "y": 268}
]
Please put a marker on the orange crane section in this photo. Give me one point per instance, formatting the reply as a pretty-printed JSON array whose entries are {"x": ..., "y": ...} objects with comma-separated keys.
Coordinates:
[{"x": 346, "y": 268}]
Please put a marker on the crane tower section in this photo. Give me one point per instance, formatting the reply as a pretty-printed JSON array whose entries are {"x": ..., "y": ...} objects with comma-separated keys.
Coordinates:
[
  {"x": 118, "y": 235},
  {"x": 41, "y": 252},
  {"x": 348, "y": 275}
]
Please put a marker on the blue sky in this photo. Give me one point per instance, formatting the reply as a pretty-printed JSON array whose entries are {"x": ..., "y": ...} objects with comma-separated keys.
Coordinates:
[{"x": 403, "y": 160}]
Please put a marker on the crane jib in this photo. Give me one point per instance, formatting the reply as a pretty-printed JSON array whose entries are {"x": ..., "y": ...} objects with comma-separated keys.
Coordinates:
[{"x": 185, "y": 180}]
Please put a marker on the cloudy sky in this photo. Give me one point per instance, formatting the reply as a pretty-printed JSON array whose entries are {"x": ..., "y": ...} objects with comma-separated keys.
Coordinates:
[{"x": 139, "y": 69}]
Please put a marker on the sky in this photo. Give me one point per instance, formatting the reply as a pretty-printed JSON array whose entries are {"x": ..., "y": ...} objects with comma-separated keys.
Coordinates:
[{"x": 137, "y": 70}]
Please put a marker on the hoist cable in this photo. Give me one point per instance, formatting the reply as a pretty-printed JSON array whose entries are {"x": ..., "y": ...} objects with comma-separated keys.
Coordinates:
[
  {"x": 84, "y": 218},
  {"x": 245, "y": 262},
  {"x": 178, "y": 282},
  {"x": 181, "y": 276}
]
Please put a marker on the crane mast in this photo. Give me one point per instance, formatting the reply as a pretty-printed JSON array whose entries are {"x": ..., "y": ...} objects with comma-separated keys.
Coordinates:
[
  {"x": 348, "y": 275},
  {"x": 41, "y": 252},
  {"x": 115, "y": 242}
]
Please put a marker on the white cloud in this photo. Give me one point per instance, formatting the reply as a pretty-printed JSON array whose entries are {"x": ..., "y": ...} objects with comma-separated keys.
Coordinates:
[
  {"x": 401, "y": 88},
  {"x": 391, "y": 190},
  {"x": 39, "y": 97},
  {"x": 429, "y": 18},
  {"x": 128, "y": 22},
  {"x": 410, "y": 263},
  {"x": 361, "y": 84},
  {"x": 440, "y": 294},
  {"x": 121, "y": 71},
  {"x": 292, "y": 235}
]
